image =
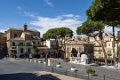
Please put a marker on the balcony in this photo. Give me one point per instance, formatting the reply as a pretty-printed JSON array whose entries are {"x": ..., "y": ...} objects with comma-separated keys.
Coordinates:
[
  {"x": 21, "y": 44},
  {"x": 29, "y": 44},
  {"x": 13, "y": 48}
]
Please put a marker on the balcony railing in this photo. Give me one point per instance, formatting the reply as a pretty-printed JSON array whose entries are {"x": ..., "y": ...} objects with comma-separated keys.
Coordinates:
[{"x": 13, "y": 48}]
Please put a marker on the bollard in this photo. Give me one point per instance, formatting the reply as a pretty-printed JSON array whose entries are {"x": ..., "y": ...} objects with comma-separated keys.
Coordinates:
[
  {"x": 104, "y": 77},
  {"x": 88, "y": 76},
  {"x": 66, "y": 72},
  {"x": 52, "y": 69},
  {"x": 75, "y": 73}
]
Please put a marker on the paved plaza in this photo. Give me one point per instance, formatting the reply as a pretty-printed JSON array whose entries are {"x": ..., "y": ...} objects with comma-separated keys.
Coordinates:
[
  {"x": 19, "y": 69},
  {"x": 11, "y": 69}
]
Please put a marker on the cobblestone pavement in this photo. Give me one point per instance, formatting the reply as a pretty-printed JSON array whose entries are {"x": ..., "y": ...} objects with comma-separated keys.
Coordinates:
[
  {"x": 111, "y": 74},
  {"x": 11, "y": 69}
]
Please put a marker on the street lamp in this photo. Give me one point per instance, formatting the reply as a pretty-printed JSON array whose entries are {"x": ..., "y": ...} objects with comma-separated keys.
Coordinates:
[{"x": 46, "y": 57}]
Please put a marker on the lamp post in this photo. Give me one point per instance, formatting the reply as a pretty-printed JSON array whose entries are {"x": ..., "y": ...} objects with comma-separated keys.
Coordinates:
[
  {"x": 46, "y": 57},
  {"x": 117, "y": 51}
]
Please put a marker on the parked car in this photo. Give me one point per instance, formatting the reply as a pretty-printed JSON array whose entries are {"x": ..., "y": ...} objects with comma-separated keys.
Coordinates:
[
  {"x": 59, "y": 65},
  {"x": 73, "y": 69}
]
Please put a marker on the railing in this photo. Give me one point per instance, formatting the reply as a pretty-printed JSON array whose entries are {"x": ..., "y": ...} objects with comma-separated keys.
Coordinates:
[
  {"x": 77, "y": 74},
  {"x": 13, "y": 47}
]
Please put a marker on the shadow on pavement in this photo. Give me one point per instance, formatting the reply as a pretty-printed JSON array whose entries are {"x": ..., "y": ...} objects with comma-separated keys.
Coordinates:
[{"x": 27, "y": 76}]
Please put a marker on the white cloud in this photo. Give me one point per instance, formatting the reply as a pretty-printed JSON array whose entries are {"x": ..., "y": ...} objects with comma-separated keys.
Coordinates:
[
  {"x": 71, "y": 16},
  {"x": 3, "y": 30},
  {"x": 29, "y": 14},
  {"x": 109, "y": 30},
  {"x": 69, "y": 20},
  {"x": 49, "y": 3},
  {"x": 19, "y": 7}
]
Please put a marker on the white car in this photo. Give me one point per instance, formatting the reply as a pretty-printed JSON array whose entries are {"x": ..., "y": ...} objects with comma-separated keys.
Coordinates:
[
  {"x": 40, "y": 61},
  {"x": 44, "y": 62},
  {"x": 59, "y": 66},
  {"x": 73, "y": 69}
]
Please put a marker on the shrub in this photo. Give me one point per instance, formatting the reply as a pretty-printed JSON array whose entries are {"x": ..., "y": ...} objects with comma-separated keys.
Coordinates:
[{"x": 90, "y": 71}]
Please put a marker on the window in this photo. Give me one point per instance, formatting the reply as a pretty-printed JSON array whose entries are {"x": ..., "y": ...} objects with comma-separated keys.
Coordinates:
[
  {"x": 21, "y": 44},
  {"x": 21, "y": 50},
  {"x": 38, "y": 42},
  {"x": 13, "y": 43},
  {"x": 33, "y": 43},
  {"x": 80, "y": 49},
  {"x": 28, "y": 44},
  {"x": 15, "y": 35},
  {"x": 29, "y": 50},
  {"x": 109, "y": 51},
  {"x": 68, "y": 50}
]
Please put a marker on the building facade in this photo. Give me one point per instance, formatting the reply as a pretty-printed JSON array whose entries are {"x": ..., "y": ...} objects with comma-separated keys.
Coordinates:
[
  {"x": 75, "y": 48},
  {"x": 3, "y": 45},
  {"x": 107, "y": 44},
  {"x": 22, "y": 41}
]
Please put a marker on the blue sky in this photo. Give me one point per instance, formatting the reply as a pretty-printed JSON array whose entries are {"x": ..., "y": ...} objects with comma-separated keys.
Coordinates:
[{"x": 42, "y": 14}]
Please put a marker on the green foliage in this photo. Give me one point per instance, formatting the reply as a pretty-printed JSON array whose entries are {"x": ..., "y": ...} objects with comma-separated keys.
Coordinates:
[
  {"x": 107, "y": 11},
  {"x": 58, "y": 32},
  {"x": 90, "y": 26},
  {"x": 90, "y": 71}
]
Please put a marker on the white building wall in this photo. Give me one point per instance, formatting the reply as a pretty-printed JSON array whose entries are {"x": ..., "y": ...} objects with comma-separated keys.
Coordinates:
[
  {"x": 51, "y": 43},
  {"x": 48, "y": 43}
]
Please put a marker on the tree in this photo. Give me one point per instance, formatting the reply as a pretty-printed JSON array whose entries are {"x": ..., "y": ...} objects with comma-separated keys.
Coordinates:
[
  {"x": 89, "y": 27},
  {"x": 107, "y": 11},
  {"x": 90, "y": 71},
  {"x": 56, "y": 33}
]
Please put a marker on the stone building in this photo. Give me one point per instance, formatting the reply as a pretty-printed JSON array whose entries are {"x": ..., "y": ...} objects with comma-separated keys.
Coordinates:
[
  {"x": 3, "y": 45},
  {"x": 108, "y": 45},
  {"x": 75, "y": 48},
  {"x": 21, "y": 41}
]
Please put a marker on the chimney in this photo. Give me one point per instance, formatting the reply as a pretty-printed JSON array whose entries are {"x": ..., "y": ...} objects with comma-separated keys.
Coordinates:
[{"x": 25, "y": 27}]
